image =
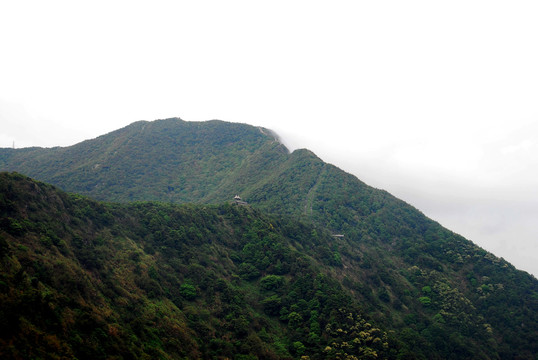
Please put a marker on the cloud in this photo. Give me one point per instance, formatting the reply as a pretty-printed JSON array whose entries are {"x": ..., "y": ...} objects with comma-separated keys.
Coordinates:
[{"x": 525, "y": 145}]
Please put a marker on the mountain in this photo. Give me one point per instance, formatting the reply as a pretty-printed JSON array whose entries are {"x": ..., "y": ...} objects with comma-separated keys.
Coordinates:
[
  {"x": 431, "y": 292},
  {"x": 169, "y": 160},
  {"x": 89, "y": 280}
]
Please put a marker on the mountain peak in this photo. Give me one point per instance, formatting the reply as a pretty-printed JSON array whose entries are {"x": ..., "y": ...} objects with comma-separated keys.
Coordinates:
[{"x": 435, "y": 288}]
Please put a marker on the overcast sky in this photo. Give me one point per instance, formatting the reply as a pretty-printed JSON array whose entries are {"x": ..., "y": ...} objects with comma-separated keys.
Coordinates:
[{"x": 436, "y": 102}]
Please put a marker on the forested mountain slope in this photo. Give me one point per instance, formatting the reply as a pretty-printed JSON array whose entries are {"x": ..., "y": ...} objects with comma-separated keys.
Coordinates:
[
  {"x": 92, "y": 280},
  {"x": 432, "y": 290},
  {"x": 96, "y": 280},
  {"x": 169, "y": 160}
]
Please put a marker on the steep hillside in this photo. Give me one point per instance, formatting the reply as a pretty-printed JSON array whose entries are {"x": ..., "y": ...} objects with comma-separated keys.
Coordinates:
[
  {"x": 95, "y": 280},
  {"x": 437, "y": 291},
  {"x": 89, "y": 280}
]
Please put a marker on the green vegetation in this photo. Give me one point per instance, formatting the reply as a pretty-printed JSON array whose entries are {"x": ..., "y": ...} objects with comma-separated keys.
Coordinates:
[
  {"x": 215, "y": 280},
  {"x": 168, "y": 160},
  {"x": 93, "y": 280}
]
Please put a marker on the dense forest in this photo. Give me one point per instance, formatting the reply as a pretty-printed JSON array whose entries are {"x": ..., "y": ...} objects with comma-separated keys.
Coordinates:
[
  {"x": 172, "y": 269},
  {"x": 92, "y": 280}
]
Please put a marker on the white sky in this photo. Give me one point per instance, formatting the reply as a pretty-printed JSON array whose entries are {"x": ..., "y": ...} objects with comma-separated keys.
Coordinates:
[{"x": 436, "y": 102}]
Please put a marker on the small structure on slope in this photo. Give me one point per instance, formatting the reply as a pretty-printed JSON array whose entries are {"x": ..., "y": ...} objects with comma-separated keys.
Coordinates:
[{"x": 239, "y": 201}]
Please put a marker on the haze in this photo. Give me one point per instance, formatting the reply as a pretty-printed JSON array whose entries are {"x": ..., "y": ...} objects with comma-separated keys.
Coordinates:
[{"x": 433, "y": 101}]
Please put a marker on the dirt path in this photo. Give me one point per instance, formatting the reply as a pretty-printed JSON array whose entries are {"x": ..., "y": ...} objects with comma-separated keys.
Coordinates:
[{"x": 312, "y": 192}]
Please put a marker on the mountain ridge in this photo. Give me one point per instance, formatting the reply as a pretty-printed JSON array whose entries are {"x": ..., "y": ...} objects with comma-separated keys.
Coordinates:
[{"x": 406, "y": 271}]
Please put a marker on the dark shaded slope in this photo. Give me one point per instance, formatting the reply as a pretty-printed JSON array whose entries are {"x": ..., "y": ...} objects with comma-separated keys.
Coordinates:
[{"x": 93, "y": 281}]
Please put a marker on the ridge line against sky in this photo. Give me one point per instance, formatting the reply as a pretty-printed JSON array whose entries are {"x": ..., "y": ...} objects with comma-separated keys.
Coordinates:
[{"x": 434, "y": 102}]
